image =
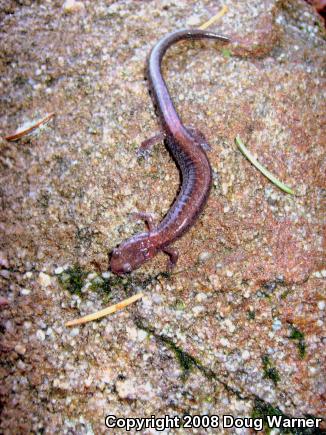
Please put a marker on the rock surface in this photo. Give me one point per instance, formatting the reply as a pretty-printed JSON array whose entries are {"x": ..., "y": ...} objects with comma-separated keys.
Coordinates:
[{"x": 238, "y": 328}]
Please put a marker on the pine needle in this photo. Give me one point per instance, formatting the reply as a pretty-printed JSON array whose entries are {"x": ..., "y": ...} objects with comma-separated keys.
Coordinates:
[
  {"x": 215, "y": 18},
  {"x": 23, "y": 131},
  {"x": 261, "y": 168},
  {"x": 109, "y": 310}
]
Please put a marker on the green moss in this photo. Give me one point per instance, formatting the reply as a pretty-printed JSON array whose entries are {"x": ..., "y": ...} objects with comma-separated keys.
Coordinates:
[
  {"x": 226, "y": 53},
  {"x": 298, "y": 336},
  {"x": 99, "y": 283},
  {"x": 44, "y": 199},
  {"x": 302, "y": 349},
  {"x": 179, "y": 305},
  {"x": 262, "y": 409},
  {"x": 270, "y": 372},
  {"x": 285, "y": 294},
  {"x": 73, "y": 279},
  {"x": 185, "y": 360},
  {"x": 251, "y": 315}
]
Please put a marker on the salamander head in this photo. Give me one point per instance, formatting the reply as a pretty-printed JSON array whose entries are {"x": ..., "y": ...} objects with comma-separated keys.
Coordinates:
[{"x": 131, "y": 254}]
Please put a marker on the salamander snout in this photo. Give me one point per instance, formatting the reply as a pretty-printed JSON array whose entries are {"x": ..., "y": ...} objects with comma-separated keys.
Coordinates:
[
  {"x": 119, "y": 264},
  {"x": 130, "y": 255}
]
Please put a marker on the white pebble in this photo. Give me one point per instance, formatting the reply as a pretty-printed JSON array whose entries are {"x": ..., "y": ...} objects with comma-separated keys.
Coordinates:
[
  {"x": 194, "y": 20},
  {"x": 4, "y": 260},
  {"x": 321, "y": 305},
  {"x": 27, "y": 325},
  {"x": 106, "y": 274},
  {"x": 71, "y": 6},
  {"x": 40, "y": 335},
  {"x": 20, "y": 349},
  {"x": 229, "y": 325},
  {"x": 126, "y": 389},
  {"x": 132, "y": 333},
  {"x": 245, "y": 355},
  {"x": 204, "y": 256},
  {"x": 74, "y": 332},
  {"x": 225, "y": 342},
  {"x": 197, "y": 310},
  {"x": 200, "y": 297},
  {"x": 141, "y": 335},
  {"x": 58, "y": 270},
  {"x": 44, "y": 279},
  {"x": 108, "y": 331},
  {"x": 277, "y": 324}
]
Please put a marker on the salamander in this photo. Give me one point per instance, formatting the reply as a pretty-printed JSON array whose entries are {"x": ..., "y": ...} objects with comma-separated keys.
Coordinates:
[{"x": 187, "y": 147}]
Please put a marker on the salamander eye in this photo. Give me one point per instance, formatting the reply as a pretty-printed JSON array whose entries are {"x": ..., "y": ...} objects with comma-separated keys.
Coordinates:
[{"x": 116, "y": 253}]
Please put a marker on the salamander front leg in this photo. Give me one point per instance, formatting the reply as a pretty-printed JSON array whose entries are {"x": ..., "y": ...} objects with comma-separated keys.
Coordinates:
[
  {"x": 200, "y": 138},
  {"x": 148, "y": 218},
  {"x": 173, "y": 257},
  {"x": 147, "y": 145}
]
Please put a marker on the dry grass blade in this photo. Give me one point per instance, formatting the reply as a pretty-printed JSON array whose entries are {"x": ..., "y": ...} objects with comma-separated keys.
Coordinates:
[
  {"x": 27, "y": 130},
  {"x": 262, "y": 168},
  {"x": 215, "y": 18},
  {"x": 109, "y": 310}
]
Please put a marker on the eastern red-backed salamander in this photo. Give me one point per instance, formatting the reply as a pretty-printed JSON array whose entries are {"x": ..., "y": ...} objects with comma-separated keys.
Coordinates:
[{"x": 187, "y": 147}]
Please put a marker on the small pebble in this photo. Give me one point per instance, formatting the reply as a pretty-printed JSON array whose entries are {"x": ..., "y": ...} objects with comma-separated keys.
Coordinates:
[
  {"x": 5, "y": 274},
  {"x": 27, "y": 325},
  {"x": 88, "y": 382},
  {"x": 125, "y": 389},
  {"x": 277, "y": 324},
  {"x": 74, "y": 332},
  {"x": 200, "y": 297},
  {"x": 321, "y": 305},
  {"x": 245, "y": 355},
  {"x": 132, "y": 333},
  {"x": 224, "y": 342},
  {"x": 21, "y": 365},
  {"x": 4, "y": 260},
  {"x": 141, "y": 335},
  {"x": 108, "y": 331},
  {"x": 20, "y": 349},
  {"x": 44, "y": 279},
  {"x": 40, "y": 335},
  {"x": 194, "y": 20},
  {"x": 59, "y": 270},
  {"x": 73, "y": 6},
  {"x": 3, "y": 301},
  {"x": 204, "y": 256},
  {"x": 229, "y": 325},
  {"x": 197, "y": 310},
  {"x": 106, "y": 274}
]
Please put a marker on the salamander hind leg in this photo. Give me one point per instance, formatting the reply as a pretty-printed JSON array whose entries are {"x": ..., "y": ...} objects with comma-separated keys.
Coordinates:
[
  {"x": 200, "y": 138},
  {"x": 146, "y": 146},
  {"x": 173, "y": 257}
]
